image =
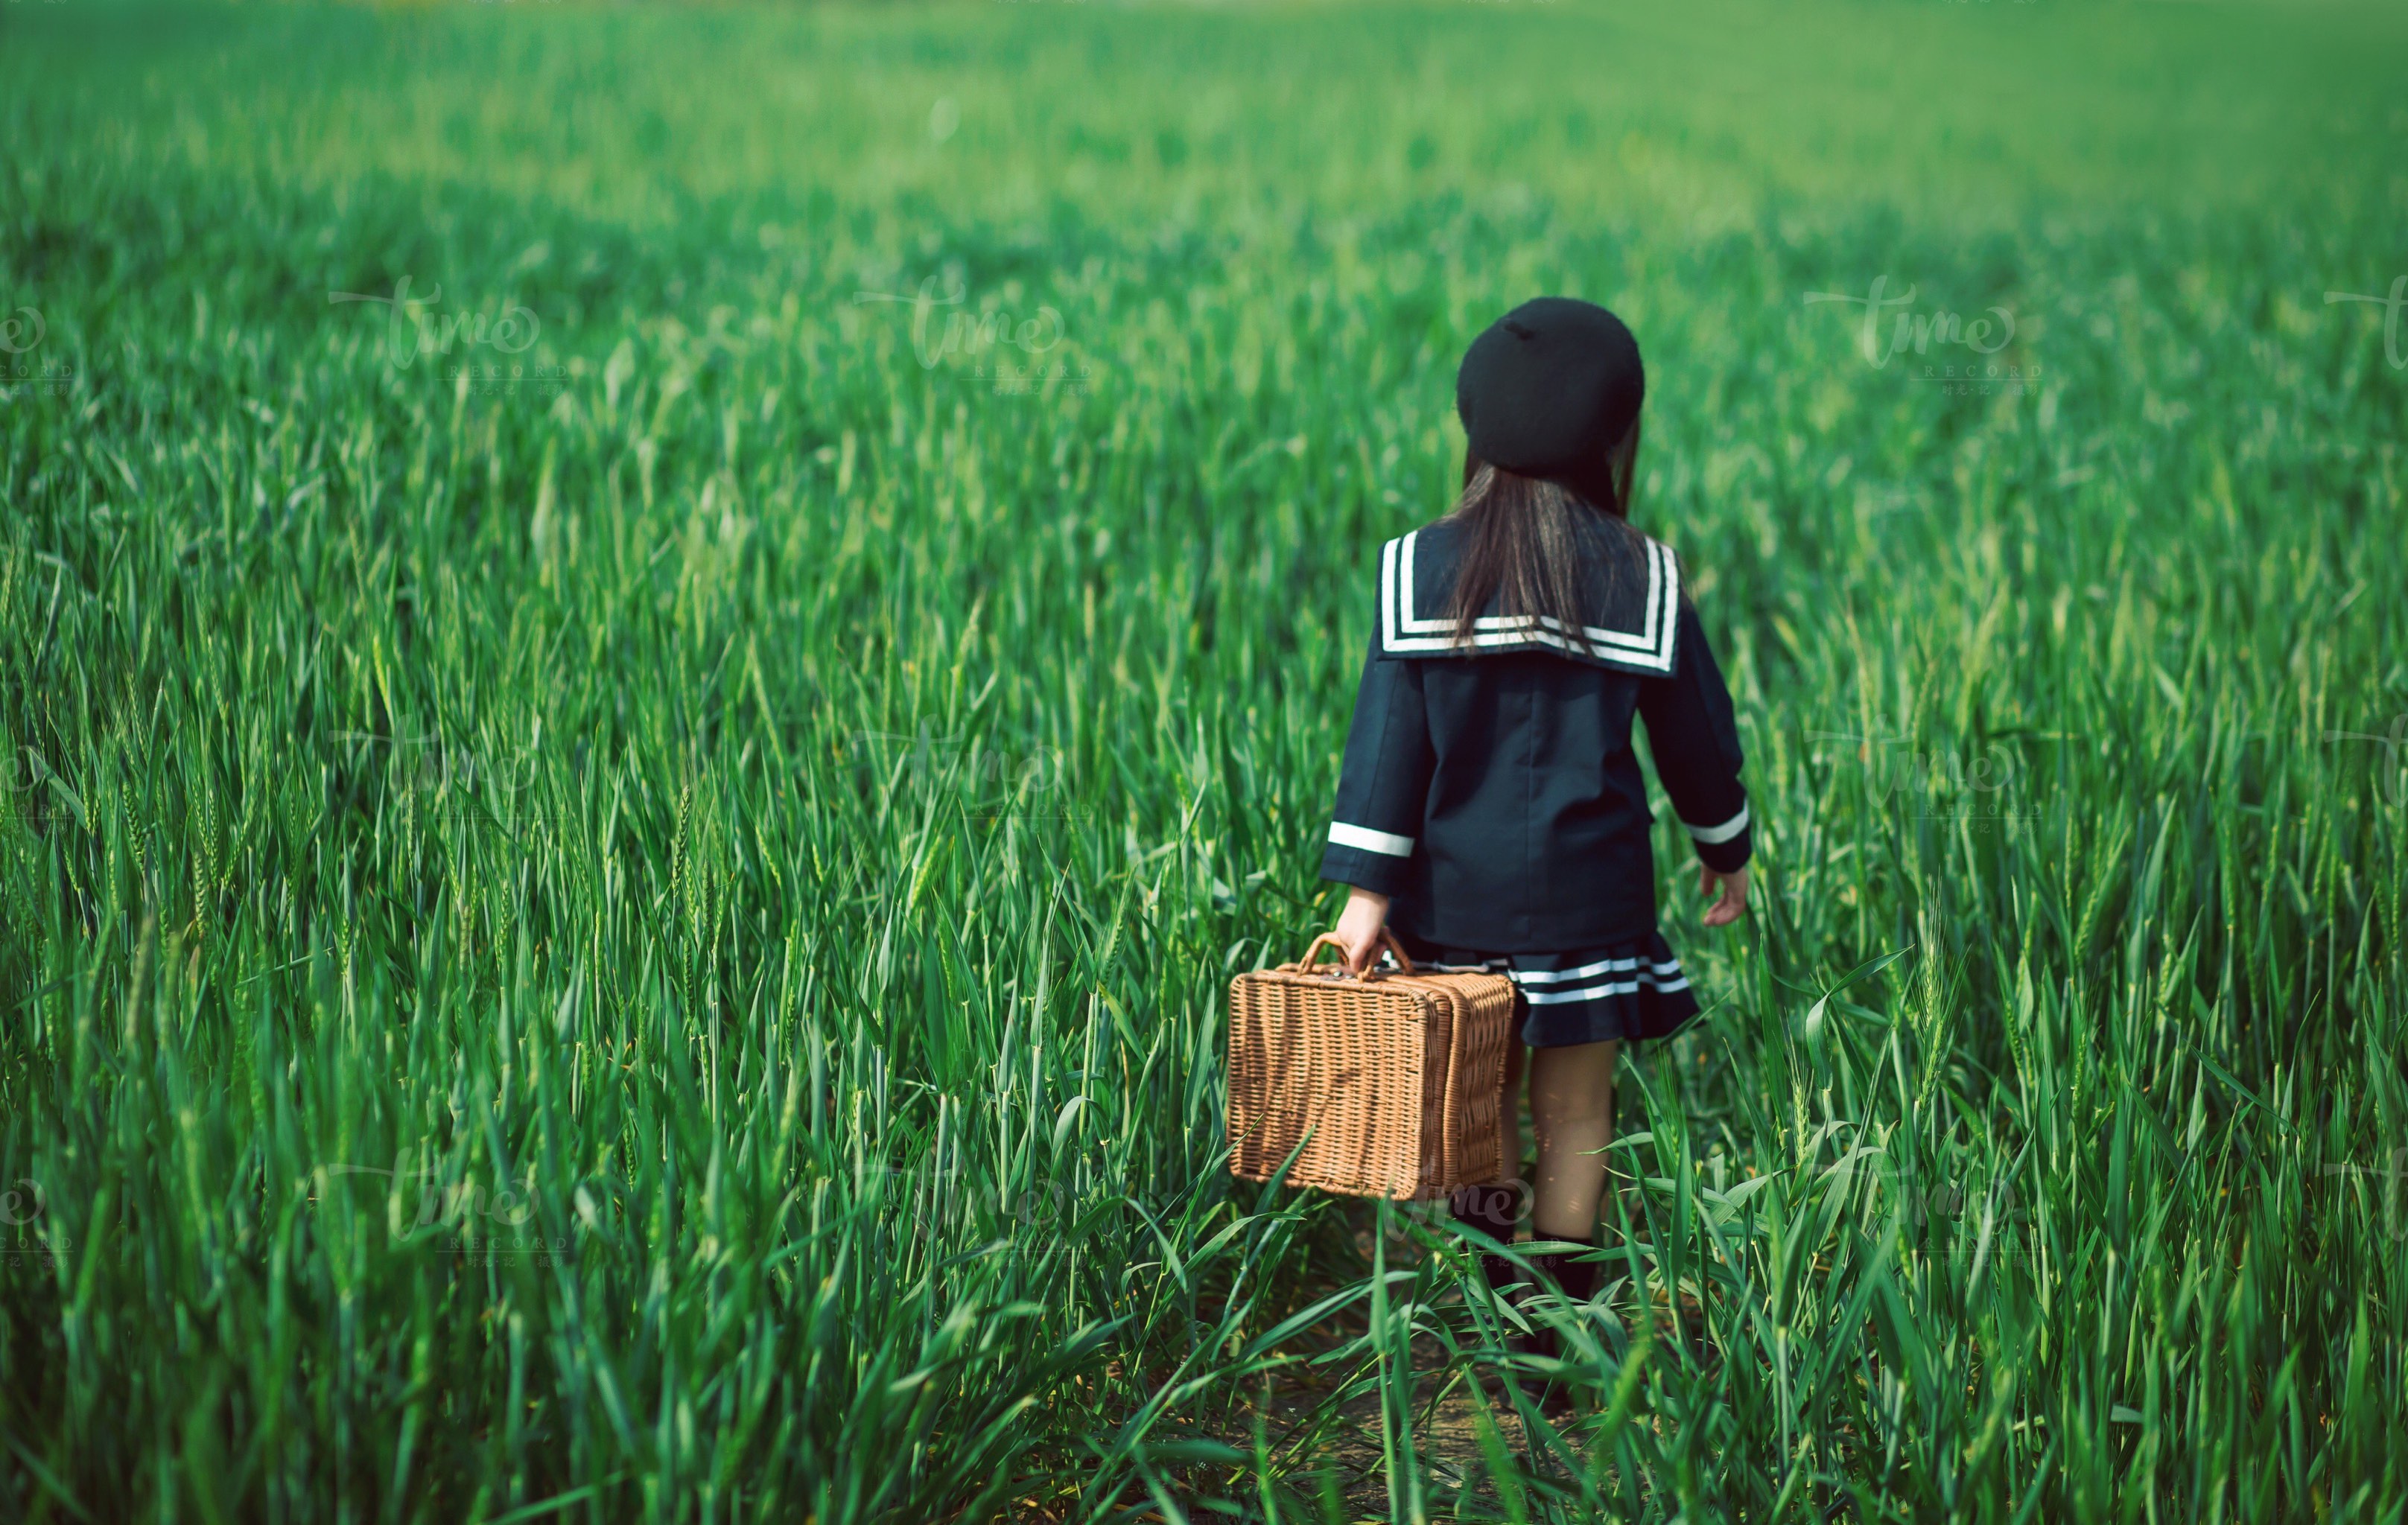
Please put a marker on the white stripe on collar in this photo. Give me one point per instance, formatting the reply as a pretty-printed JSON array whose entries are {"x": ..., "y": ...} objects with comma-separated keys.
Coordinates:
[{"x": 1650, "y": 647}]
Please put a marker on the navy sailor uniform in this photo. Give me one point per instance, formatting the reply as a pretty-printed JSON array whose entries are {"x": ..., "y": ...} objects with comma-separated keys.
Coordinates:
[{"x": 1496, "y": 796}]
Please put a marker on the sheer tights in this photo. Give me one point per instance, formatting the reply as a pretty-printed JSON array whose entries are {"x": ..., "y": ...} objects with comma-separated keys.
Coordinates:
[{"x": 1571, "y": 1111}]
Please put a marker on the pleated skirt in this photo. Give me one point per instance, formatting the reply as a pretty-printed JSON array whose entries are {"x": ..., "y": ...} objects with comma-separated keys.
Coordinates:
[{"x": 1632, "y": 990}]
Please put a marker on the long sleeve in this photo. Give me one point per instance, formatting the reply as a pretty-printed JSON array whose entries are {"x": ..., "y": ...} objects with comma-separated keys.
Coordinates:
[
  {"x": 1383, "y": 784},
  {"x": 1694, "y": 739}
]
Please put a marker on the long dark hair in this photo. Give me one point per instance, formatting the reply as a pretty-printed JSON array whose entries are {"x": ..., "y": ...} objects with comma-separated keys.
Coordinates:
[{"x": 1525, "y": 536}]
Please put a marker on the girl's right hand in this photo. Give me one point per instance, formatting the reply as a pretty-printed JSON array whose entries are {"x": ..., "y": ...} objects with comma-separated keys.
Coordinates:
[
  {"x": 1733, "y": 904},
  {"x": 1358, "y": 928}
]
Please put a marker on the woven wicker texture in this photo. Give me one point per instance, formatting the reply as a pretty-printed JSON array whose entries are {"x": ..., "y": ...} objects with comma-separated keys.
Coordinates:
[{"x": 1395, "y": 1076}]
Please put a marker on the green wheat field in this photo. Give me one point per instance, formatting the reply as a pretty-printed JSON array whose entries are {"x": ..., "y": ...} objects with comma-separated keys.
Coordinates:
[{"x": 655, "y": 663}]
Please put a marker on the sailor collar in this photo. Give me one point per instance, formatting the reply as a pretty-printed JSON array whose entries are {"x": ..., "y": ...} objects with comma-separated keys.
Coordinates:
[{"x": 1417, "y": 573}]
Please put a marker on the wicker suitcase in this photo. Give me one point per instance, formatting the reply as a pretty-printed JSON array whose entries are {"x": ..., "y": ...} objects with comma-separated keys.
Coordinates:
[{"x": 1396, "y": 1074}]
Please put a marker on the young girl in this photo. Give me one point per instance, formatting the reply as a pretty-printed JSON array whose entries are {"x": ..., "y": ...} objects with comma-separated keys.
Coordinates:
[{"x": 1490, "y": 811}]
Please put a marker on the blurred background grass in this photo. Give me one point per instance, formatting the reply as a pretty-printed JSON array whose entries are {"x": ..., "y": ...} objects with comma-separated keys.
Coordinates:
[
  {"x": 1128, "y": 115},
  {"x": 629, "y": 918}
]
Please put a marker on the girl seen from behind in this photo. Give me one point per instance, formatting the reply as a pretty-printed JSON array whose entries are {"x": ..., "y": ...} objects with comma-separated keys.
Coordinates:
[{"x": 1491, "y": 813}]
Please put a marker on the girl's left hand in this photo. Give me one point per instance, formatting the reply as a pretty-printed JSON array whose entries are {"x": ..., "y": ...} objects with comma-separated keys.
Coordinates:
[{"x": 1358, "y": 928}]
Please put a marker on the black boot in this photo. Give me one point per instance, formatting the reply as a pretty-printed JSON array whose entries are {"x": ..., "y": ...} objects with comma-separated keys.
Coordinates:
[
  {"x": 1573, "y": 1273},
  {"x": 1493, "y": 1209},
  {"x": 1575, "y": 1277}
]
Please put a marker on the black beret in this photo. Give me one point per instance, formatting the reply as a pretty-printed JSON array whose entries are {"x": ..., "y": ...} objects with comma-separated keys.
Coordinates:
[{"x": 1550, "y": 387}]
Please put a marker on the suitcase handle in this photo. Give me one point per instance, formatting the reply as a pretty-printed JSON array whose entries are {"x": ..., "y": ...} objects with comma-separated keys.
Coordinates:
[{"x": 1305, "y": 965}]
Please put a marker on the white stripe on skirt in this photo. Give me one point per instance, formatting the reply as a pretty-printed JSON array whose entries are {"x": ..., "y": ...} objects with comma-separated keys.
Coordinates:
[{"x": 1661, "y": 978}]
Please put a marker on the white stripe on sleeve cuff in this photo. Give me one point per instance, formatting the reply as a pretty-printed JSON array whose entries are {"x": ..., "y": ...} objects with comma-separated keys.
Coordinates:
[
  {"x": 1724, "y": 833},
  {"x": 1369, "y": 840}
]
